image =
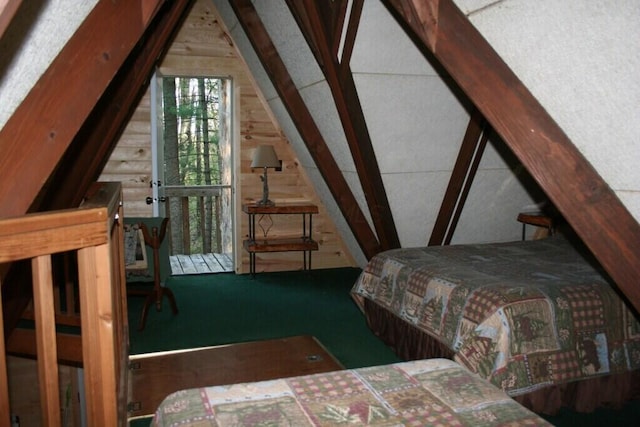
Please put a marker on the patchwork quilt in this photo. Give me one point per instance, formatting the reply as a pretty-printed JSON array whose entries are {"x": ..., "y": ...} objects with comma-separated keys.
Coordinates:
[
  {"x": 523, "y": 315},
  {"x": 425, "y": 392}
]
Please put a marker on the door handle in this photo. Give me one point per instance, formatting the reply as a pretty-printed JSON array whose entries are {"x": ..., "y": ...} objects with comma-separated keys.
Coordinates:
[{"x": 149, "y": 200}]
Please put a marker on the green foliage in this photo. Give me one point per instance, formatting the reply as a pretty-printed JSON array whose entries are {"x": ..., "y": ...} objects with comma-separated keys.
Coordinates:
[
  {"x": 197, "y": 115},
  {"x": 192, "y": 110}
]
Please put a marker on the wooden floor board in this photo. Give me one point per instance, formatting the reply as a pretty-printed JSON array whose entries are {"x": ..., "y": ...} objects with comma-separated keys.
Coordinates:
[
  {"x": 200, "y": 264},
  {"x": 225, "y": 261},
  {"x": 212, "y": 263},
  {"x": 176, "y": 268},
  {"x": 187, "y": 265}
]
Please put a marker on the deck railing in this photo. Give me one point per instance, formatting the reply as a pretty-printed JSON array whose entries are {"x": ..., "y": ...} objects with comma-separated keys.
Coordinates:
[
  {"x": 200, "y": 218},
  {"x": 94, "y": 233}
]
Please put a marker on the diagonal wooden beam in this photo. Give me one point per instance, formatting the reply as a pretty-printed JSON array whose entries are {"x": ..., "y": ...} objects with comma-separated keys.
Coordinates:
[
  {"x": 350, "y": 34},
  {"x": 572, "y": 184},
  {"x": 89, "y": 152},
  {"x": 345, "y": 95},
  {"x": 293, "y": 102},
  {"x": 8, "y": 9},
  {"x": 40, "y": 130},
  {"x": 473, "y": 144},
  {"x": 299, "y": 12}
]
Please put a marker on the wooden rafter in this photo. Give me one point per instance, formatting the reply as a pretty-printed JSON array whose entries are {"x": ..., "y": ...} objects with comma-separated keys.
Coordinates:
[
  {"x": 89, "y": 152},
  {"x": 464, "y": 171},
  {"x": 332, "y": 16},
  {"x": 293, "y": 102},
  {"x": 571, "y": 183},
  {"x": 350, "y": 35},
  {"x": 8, "y": 9},
  {"x": 325, "y": 31},
  {"x": 43, "y": 126}
]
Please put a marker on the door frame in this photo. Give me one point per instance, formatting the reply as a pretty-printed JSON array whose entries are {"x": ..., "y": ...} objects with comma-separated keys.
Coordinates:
[
  {"x": 157, "y": 154},
  {"x": 157, "y": 179}
]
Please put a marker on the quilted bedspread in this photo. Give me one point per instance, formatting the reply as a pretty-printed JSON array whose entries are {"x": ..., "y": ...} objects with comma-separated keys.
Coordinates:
[
  {"x": 419, "y": 393},
  {"x": 523, "y": 315}
]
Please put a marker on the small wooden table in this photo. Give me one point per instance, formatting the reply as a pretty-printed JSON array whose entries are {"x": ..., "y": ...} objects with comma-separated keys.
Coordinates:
[{"x": 304, "y": 243}]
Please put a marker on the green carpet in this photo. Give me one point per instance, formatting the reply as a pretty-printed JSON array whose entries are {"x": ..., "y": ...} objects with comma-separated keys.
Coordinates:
[{"x": 228, "y": 308}]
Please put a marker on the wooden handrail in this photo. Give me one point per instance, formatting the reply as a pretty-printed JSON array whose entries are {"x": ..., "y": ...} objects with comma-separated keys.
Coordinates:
[
  {"x": 182, "y": 223},
  {"x": 95, "y": 232}
]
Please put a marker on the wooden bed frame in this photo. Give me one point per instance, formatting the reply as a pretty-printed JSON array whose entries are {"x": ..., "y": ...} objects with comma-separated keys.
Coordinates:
[{"x": 94, "y": 233}]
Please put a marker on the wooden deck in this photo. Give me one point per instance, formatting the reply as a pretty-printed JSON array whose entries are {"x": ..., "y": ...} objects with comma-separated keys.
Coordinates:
[{"x": 200, "y": 264}]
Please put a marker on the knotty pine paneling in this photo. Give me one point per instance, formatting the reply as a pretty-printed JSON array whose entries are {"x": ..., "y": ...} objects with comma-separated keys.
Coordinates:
[{"x": 203, "y": 47}]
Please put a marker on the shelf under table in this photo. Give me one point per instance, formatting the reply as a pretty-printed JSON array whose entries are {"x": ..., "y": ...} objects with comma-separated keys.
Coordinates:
[{"x": 281, "y": 245}]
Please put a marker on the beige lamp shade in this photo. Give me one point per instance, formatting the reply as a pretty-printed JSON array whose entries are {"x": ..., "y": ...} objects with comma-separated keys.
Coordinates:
[{"x": 265, "y": 157}]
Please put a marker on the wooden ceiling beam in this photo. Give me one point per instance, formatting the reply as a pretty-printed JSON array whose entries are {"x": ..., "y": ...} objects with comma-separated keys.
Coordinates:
[
  {"x": 464, "y": 171},
  {"x": 571, "y": 183},
  {"x": 91, "y": 148},
  {"x": 350, "y": 34},
  {"x": 333, "y": 15},
  {"x": 345, "y": 95},
  {"x": 8, "y": 9},
  {"x": 301, "y": 16},
  {"x": 293, "y": 102},
  {"x": 41, "y": 129}
]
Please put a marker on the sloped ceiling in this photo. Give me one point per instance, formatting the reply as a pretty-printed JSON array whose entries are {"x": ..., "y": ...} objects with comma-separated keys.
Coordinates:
[
  {"x": 572, "y": 184},
  {"x": 439, "y": 27}
]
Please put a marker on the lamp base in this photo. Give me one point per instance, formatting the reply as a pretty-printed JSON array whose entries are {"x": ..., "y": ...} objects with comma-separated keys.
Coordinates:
[
  {"x": 265, "y": 203},
  {"x": 265, "y": 191}
]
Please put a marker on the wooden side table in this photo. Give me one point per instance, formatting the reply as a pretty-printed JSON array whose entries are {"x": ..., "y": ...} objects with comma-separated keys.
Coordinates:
[
  {"x": 537, "y": 219},
  {"x": 304, "y": 243}
]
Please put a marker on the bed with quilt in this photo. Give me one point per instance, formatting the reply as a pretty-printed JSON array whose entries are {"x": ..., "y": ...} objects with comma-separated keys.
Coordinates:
[
  {"x": 417, "y": 393},
  {"x": 538, "y": 318}
]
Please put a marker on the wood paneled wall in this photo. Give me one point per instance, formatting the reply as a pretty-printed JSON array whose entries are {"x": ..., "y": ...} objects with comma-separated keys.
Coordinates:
[{"x": 204, "y": 47}]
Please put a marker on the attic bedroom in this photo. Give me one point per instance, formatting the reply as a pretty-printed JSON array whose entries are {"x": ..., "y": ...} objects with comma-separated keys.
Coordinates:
[{"x": 406, "y": 124}]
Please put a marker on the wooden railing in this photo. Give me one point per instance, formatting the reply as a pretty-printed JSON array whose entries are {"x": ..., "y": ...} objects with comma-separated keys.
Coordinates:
[
  {"x": 94, "y": 233},
  {"x": 197, "y": 214}
]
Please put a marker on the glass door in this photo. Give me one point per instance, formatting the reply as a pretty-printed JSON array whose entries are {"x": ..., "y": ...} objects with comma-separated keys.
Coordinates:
[{"x": 194, "y": 155}]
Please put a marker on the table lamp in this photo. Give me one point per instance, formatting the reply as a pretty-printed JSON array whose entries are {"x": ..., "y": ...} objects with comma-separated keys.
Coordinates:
[{"x": 265, "y": 157}]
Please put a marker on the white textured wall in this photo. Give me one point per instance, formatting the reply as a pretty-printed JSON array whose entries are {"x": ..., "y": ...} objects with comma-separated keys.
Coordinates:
[
  {"x": 415, "y": 121},
  {"x": 417, "y": 124},
  {"x": 35, "y": 37},
  {"x": 581, "y": 60}
]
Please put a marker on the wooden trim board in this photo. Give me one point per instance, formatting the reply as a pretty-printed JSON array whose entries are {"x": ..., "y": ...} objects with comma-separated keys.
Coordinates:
[{"x": 153, "y": 376}]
